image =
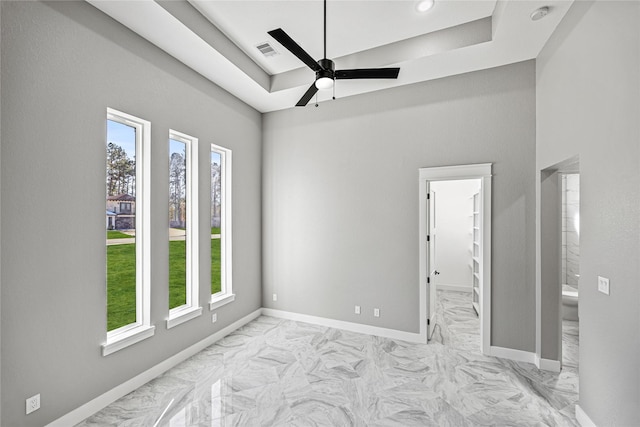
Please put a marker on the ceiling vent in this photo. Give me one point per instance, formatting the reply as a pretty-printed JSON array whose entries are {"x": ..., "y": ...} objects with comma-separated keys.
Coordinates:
[{"x": 266, "y": 49}]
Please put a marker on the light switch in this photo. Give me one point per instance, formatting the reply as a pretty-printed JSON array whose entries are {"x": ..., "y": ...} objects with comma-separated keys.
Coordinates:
[{"x": 603, "y": 285}]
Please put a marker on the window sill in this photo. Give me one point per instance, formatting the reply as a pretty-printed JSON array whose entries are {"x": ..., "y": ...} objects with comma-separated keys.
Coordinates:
[
  {"x": 125, "y": 339},
  {"x": 220, "y": 300},
  {"x": 178, "y": 316}
]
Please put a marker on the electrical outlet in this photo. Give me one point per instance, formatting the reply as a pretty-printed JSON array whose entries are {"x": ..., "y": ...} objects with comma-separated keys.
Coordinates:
[
  {"x": 275, "y": 297},
  {"x": 603, "y": 285},
  {"x": 214, "y": 317},
  {"x": 357, "y": 310},
  {"x": 376, "y": 312},
  {"x": 33, "y": 403}
]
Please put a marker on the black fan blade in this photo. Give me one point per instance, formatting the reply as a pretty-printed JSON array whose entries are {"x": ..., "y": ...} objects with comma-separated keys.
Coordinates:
[
  {"x": 307, "y": 95},
  {"x": 293, "y": 47},
  {"x": 368, "y": 73}
]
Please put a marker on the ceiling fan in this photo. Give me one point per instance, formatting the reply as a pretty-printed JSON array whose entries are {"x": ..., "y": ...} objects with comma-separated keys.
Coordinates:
[{"x": 325, "y": 70}]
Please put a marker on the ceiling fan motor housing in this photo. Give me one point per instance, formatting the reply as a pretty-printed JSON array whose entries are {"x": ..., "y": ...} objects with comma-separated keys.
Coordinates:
[{"x": 327, "y": 69}]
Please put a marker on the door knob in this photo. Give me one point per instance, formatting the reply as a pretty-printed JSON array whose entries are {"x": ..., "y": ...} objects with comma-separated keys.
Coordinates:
[{"x": 436, "y": 272}]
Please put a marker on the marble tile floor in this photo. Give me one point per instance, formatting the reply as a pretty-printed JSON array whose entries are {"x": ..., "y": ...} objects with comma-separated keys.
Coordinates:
[
  {"x": 570, "y": 343},
  {"x": 274, "y": 372}
]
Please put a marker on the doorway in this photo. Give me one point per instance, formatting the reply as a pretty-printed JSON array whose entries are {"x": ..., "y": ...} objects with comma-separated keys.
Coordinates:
[
  {"x": 480, "y": 233},
  {"x": 455, "y": 236},
  {"x": 570, "y": 267},
  {"x": 557, "y": 282}
]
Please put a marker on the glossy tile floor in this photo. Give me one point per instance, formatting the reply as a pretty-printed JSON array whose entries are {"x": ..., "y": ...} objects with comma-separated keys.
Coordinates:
[
  {"x": 570, "y": 343},
  {"x": 276, "y": 372}
]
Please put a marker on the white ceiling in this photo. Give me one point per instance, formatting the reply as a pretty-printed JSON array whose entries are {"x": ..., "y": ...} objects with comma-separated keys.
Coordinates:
[
  {"x": 218, "y": 38},
  {"x": 352, "y": 25}
]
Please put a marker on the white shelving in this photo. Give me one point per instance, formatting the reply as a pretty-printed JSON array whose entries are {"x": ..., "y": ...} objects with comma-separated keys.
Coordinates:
[{"x": 475, "y": 295}]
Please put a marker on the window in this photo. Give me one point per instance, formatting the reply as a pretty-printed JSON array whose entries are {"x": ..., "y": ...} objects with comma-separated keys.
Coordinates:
[
  {"x": 183, "y": 225},
  {"x": 127, "y": 219},
  {"x": 126, "y": 207},
  {"x": 221, "y": 288}
]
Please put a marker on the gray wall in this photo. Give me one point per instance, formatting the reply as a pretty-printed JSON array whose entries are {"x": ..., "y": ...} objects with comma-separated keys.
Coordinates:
[
  {"x": 340, "y": 197},
  {"x": 63, "y": 64},
  {"x": 550, "y": 220},
  {"x": 588, "y": 104},
  {"x": 0, "y": 228}
]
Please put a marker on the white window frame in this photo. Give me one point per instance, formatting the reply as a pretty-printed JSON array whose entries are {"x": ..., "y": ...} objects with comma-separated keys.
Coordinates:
[
  {"x": 191, "y": 309},
  {"x": 226, "y": 295},
  {"x": 140, "y": 329}
]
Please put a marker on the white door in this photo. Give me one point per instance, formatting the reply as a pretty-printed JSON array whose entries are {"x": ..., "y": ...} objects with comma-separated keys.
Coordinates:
[{"x": 431, "y": 263}]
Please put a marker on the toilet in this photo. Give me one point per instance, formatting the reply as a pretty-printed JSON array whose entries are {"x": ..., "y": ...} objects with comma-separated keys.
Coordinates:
[{"x": 569, "y": 303}]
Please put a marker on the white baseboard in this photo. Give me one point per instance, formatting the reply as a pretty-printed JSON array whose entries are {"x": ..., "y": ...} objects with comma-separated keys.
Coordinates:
[
  {"x": 347, "y": 326},
  {"x": 509, "y": 353},
  {"x": 78, "y": 415},
  {"x": 456, "y": 288},
  {"x": 548, "y": 364},
  {"x": 583, "y": 418}
]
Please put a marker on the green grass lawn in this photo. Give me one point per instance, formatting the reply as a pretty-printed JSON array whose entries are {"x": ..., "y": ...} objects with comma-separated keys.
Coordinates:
[
  {"x": 215, "y": 265},
  {"x": 113, "y": 234},
  {"x": 121, "y": 285},
  {"x": 177, "y": 273},
  {"x": 215, "y": 230},
  {"x": 121, "y": 280}
]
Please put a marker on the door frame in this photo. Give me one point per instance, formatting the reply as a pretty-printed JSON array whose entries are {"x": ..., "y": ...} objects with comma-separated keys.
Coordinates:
[
  {"x": 452, "y": 173},
  {"x": 548, "y": 263}
]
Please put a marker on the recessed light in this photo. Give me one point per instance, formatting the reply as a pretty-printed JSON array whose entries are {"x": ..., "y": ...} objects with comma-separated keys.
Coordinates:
[
  {"x": 424, "y": 5},
  {"x": 540, "y": 13}
]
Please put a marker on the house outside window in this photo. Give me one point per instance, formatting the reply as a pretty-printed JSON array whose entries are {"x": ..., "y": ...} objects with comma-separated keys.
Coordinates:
[{"x": 125, "y": 207}]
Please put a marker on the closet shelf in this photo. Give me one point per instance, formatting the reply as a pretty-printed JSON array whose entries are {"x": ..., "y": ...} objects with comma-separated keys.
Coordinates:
[
  {"x": 476, "y": 250},
  {"x": 476, "y": 307}
]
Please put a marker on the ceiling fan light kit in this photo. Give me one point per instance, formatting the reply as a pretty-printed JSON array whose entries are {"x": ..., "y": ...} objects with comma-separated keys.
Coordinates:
[
  {"x": 324, "y": 83},
  {"x": 325, "y": 70},
  {"x": 326, "y": 75}
]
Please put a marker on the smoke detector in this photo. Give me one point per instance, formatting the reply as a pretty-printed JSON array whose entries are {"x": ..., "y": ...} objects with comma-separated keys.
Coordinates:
[{"x": 540, "y": 13}]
